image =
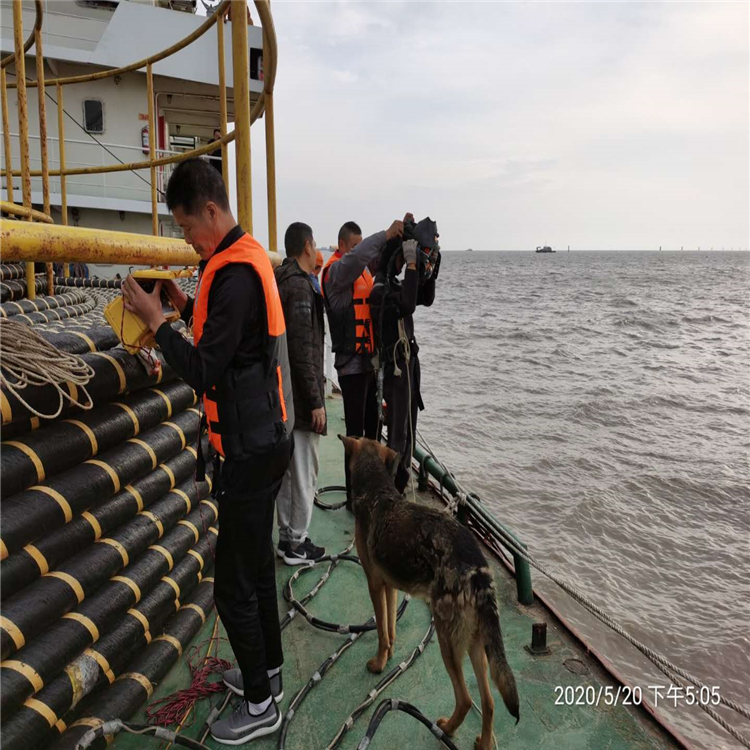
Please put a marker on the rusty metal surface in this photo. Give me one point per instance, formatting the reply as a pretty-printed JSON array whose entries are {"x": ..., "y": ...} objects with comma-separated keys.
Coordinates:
[
  {"x": 6, "y": 135},
  {"x": 241, "y": 61},
  {"x": 152, "y": 148},
  {"x": 13, "y": 208},
  {"x": 39, "y": 8}
]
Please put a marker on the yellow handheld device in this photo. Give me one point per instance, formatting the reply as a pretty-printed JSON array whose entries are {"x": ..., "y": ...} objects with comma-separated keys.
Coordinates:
[{"x": 133, "y": 333}]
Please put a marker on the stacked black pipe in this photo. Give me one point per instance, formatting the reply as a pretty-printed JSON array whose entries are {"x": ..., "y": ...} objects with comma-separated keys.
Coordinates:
[{"x": 106, "y": 537}]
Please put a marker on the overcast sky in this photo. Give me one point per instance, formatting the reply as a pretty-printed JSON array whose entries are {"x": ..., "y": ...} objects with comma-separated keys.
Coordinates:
[{"x": 594, "y": 125}]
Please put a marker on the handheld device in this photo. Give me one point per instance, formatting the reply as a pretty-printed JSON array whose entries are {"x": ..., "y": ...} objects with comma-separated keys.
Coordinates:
[{"x": 133, "y": 333}]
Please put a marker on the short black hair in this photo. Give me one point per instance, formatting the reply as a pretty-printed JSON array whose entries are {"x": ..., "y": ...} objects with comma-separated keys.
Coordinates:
[
  {"x": 217, "y": 130},
  {"x": 194, "y": 183},
  {"x": 297, "y": 234},
  {"x": 348, "y": 230}
]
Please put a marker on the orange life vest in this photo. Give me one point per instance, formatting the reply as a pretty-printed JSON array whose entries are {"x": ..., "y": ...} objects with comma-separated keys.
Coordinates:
[
  {"x": 250, "y": 410},
  {"x": 351, "y": 329}
]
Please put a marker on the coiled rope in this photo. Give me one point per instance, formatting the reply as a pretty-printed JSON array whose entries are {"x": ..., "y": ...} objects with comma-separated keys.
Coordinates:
[
  {"x": 668, "y": 668},
  {"x": 26, "y": 359}
]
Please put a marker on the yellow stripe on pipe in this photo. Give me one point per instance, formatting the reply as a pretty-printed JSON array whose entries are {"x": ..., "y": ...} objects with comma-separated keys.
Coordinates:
[
  {"x": 27, "y": 671},
  {"x": 209, "y": 481},
  {"x": 197, "y": 609},
  {"x": 190, "y": 526},
  {"x": 116, "y": 545},
  {"x": 13, "y": 631},
  {"x": 72, "y": 582},
  {"x": 170, "y": 474},
  {"x": 3, "y": 550},
  {"x": 39, "y": 558},
  {"x": 137, "y": 495},
  {"x": 153, "y": 518},
  {"x": 35, "y": 423},
  {"x": 112, "y": 474},
  {"x": 7, "y": 412},
  {"x": 61, "y": 726},
  {"x": 173, "y": 584},
  {"x": 197, "y": 556},
  {"x": 94, "y": 524},
  {"x": 118, "y": 369},
  {"x": 172, "y": 641},
  {"x": 29, "y": 453},
  {"x": 213, "y": 530},
  {"x": 131, "y": 414},
  {"x": 184, "y": 495},
  {"x": 88, "y": 721},
  {"x": 166, "y": 400},
  {"x": 85, "y": 621},
  {"x": 91, "y": 344},
  {"x": 192, "y": 450},
  {"x": 58, "y": 498},
  {"x": 179, "y": 431},
  {"x": 213, "y": 508},
  {"x": 132, "y": 585},
  {"x": 147, "y": 448},
  {"x": 42, "y": 709},
  {"x": 164, "y": 553},
  {"x": 141, "y": 618},
  {"x": 89, "y": 434},
  {"x": 139, "y": 678},
  {"x": 101, "y": 660},
  {"x": 73, "y": 390}
]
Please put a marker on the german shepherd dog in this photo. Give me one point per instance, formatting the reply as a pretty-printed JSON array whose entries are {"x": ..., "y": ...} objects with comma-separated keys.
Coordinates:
[{"x": 426, "y": 553}]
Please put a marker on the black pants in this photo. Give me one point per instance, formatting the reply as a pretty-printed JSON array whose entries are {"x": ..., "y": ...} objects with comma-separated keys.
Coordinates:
[
  {"x": 399, "y": 399},
  {"x": 360, "y": 410},
  {"x": 245, "y": 575}
]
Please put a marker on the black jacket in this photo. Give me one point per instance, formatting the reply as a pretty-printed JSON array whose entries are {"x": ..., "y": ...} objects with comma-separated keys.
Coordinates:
[{"x": 305, "y": 330}]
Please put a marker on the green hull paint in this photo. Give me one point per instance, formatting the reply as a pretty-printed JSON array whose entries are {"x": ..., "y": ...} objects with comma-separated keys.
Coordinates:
[{"x": 344, "y": 599}]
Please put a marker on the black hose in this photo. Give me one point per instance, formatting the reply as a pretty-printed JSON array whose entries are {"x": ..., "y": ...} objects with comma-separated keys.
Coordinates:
[{"x": 322, "y": 491}]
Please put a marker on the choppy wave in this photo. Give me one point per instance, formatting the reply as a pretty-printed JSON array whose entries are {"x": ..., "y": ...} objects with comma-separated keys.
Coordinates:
[{"x": 601, "y": 406}]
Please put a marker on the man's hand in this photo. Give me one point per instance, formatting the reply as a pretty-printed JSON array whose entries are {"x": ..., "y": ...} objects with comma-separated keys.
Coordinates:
[
  {"x": 394, "y": 230},
  {"x": 319, "y": 419},
  {"x": 409, "y": 248},
  {"x": 146, "y": 306},
  {"x": 176, "y": 296}
]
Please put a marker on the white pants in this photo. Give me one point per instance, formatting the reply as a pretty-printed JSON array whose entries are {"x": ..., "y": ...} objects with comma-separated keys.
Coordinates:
[{"x": 294, "y": 503}]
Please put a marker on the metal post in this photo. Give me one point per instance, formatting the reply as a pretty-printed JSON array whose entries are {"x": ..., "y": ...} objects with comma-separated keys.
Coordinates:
[
  {"x": 241, "y": 74},
  {"x": 6, "y": 136},
  {"x": 222, "y": 103},
  {"x": 152, "y": 149},
  {"x": 61, "y": 150},
  {"x": 40, "y": 92},
  {"x": 23, "y": 128},
  {"x": 271, "y": 173}
]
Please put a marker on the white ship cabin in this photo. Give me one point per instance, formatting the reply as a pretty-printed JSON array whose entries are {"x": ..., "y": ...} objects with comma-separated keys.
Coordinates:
[{"x": 106, "y": 121}]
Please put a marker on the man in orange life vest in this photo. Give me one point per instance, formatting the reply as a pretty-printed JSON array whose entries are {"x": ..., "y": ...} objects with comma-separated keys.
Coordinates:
[
  {"x": 346, "y": 282},
  {"x": 239, "y": 365}
]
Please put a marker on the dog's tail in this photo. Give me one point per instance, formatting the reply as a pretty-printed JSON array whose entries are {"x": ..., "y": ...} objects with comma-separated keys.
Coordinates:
[{"x": 492, "y": 637}]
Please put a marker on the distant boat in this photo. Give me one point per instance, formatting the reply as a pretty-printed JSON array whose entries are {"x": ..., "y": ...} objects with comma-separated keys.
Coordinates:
[
  {"x": 469, "y": 249},
  {"x": 545, "y": 249}
]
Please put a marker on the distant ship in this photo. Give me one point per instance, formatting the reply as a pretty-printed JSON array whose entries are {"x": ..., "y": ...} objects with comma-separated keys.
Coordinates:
[
  {"x": 545, "y": 249},
  {"x": 469, "y": 249}
]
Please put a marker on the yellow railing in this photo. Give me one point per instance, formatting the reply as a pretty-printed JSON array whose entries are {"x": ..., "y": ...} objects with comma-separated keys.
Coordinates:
[{"x": 72, "y": 244}]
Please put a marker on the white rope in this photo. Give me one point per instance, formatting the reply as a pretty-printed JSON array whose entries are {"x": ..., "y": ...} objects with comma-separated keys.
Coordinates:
[{"x": 27, "y": 359}]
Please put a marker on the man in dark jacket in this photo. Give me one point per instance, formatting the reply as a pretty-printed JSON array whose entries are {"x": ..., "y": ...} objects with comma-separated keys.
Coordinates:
[
  {"x": 303, "y": 312},
  {"x": 392, "y": 305}
]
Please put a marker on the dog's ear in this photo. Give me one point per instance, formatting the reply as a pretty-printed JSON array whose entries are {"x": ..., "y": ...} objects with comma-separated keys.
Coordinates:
[
  {"x": 389, "y": 457},
  {"x": 351, "y": 445}
]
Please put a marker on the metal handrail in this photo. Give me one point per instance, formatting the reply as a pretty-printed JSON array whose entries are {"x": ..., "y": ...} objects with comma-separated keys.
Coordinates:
[
  {"x": 30, "y": 41},
  {"x": 244, "y": 116}
]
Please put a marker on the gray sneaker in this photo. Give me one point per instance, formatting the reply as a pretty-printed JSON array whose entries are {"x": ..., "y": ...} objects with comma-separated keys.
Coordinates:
[
  {"x": 233, "y": 680},
  {"x": 242, "y": 726}
]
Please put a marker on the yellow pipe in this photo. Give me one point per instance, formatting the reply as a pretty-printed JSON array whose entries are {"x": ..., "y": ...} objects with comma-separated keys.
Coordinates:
[
  {"x": 6, "y": 135},
  {"x": 223, "y": 104},
  {"x": 176, "y": 47},
  {"x": 42, "y": 101},
  {"x": 27, "y": 213},
  {"x": 241, "y": 70},
  {"x": 228, "y": 138},
  {"x": 27, "y": 46},
  {"x": 23, "y": 131},
  {"x": 152, "y": 148},
  {"x": 271, "y": 174},
  {"x": 55, "y": 243},
  {"x": 63, "y": 185}
]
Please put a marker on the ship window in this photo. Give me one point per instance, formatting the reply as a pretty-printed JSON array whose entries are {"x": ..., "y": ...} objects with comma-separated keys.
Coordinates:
[
  {"x": 104, "y": 4},
  {"x": 93, "y": 116}
]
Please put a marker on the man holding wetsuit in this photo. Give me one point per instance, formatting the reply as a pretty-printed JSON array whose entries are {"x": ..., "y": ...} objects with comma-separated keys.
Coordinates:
[
  {"x": 238, "y": 364},
  {"x": 346, "y": 283},
  {"x": 392, "y": 305}
]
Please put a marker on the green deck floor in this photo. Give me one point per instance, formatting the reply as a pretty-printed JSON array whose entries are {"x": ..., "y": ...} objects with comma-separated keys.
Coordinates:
[{"x": 344, "y": 598}]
